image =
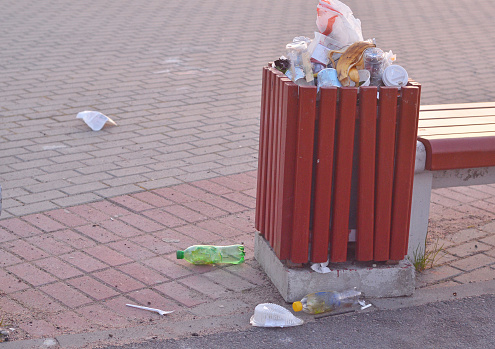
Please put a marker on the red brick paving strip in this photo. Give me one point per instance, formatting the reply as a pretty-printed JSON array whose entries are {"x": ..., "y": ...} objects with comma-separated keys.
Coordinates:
[
  {"x": 143, "y": 274},
  {"x": 119, "y": 280},
  {"x": 74, "y": 239},
  {"x": 93, "y": 288},
  {"x": 92, "y": 268},
  {"x": 108, "y": 255},
  {"x": 7, "y": 258},
  {"x": 19, "y": 227},
  {"x": 6, "y": 236},
  {"x": 182, "y": 294},
  {"x": 66, "y": 294},
  {"x": 31, "y": 274},
  {"x": 60, "y": 269},
  {"x": 49, "y": 244},
  {"x": 66, "y": 217},
  {"x": 43, "y": 222},
  {"x": 84, "y": 262}
]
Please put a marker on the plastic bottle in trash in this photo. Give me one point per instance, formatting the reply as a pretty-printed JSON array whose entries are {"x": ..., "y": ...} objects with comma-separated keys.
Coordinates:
[
  {"x": 207, "y": 254},
  {"x": 374, "y": 59},
  {"x": 328, "y": 301}
]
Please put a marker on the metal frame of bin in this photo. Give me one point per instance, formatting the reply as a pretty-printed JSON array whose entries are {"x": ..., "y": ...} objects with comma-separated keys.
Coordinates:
[{"x": 306, "y": 151}]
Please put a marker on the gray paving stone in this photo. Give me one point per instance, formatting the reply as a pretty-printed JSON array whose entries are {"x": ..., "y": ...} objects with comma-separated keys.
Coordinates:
[
  {"x": 30, "y": 209},
  {"x": 118, "y": 190},
  {"x": 159, "y": 183},
  {"x": 76, "y": 199},
  {"x": 81, "y": 189},
  {"x": 188, "y": 99}
]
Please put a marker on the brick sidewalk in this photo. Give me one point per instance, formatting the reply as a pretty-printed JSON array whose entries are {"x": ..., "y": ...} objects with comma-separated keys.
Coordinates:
[
  {"x": 91, "y": 220},
  {"x": 73, "y": 270},
  {"x": 462, "y": 229},
  {"x": 184, "y": 85}
]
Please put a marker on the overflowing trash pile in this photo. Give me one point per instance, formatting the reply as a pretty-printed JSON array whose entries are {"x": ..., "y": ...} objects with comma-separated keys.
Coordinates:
[
  {"x": 324, "y": 302},
  {"x": 338, "y": 55}
]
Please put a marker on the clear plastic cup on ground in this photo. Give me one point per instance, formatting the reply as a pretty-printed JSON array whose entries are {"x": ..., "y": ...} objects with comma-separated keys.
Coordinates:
[{"x": 273, "y": 315}]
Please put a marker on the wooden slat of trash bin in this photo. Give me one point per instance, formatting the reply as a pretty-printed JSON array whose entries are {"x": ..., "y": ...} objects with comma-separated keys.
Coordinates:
[
  {"x": 404, "y": 171},
  {"x": 290, "y": 105},
  {"x": 262, "y": 151},
  {"x": 385, "y": 172},
  {"x": 366, "y": 176},
  {"x": 324, "y": 174},
  {"x": 343, "y": 174},
  {"x": 303, "y": 174}
]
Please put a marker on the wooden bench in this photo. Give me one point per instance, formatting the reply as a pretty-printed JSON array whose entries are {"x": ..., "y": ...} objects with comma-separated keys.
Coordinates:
[{"x": 456, "y": 147}]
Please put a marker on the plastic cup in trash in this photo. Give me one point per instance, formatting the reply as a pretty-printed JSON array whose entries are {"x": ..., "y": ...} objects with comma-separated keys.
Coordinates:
[
  {"x": 364, "y": 75},
  {"x": 328, "y": 77}
]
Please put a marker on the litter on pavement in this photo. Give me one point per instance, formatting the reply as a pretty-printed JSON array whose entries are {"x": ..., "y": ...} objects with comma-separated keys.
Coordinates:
[
  {"x": 161, "y": 312},
  {"x": 95, "y": 120}
]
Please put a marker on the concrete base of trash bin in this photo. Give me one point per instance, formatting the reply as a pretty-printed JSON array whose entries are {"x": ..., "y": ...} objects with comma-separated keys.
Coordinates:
[{"x": 375, "y": 280}]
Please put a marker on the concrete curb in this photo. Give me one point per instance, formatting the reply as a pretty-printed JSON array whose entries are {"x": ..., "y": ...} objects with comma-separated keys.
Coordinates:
[{"x": 376, "y": 281}]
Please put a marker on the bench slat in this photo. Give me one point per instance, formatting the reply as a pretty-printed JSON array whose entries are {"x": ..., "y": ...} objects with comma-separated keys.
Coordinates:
[
  {"x": 458, "y": 136},
  {"x": 457, "y": 131},
  {"x": 456, "y": 113},
  {"x": 461, "y": 134},
  {"x": 448, "y": 154},
  {"x": 460, "y": 121},
  {"x": 457, "y": 106},
  {"x": 457, "y": 120}
]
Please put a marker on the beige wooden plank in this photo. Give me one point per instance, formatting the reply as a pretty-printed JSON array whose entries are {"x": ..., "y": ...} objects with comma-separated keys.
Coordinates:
[
  {"x": 463, "y": 135},
  {"x": 488, "y": 121},
  {"x": 458, "y": 131},
  {"x": 456, "y": 113},
  {"x": 457, "y": 106}
]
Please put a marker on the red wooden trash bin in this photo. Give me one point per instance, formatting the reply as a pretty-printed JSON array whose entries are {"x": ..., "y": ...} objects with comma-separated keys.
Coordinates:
[{"x": 306, "y": 151}]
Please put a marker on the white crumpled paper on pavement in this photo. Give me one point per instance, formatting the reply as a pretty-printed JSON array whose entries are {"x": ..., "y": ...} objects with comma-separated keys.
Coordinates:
[{"x": 95, "y": 120}]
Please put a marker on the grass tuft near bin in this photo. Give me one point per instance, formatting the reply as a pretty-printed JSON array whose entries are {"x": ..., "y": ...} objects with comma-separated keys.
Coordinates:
[{"x": 426, "y": 258}]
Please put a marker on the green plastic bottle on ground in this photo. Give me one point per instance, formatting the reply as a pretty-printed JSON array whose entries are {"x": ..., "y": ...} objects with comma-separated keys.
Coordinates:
[
  {"x": 207, "y": 254},
  {"x": 329, "y": 301}
]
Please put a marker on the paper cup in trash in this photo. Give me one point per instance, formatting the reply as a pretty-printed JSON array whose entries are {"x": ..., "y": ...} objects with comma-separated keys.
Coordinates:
[{"x": 395, "y": 75}]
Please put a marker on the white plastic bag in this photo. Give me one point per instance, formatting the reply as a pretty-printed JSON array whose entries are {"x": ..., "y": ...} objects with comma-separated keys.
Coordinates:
[{"x": 335, "y": 19}]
